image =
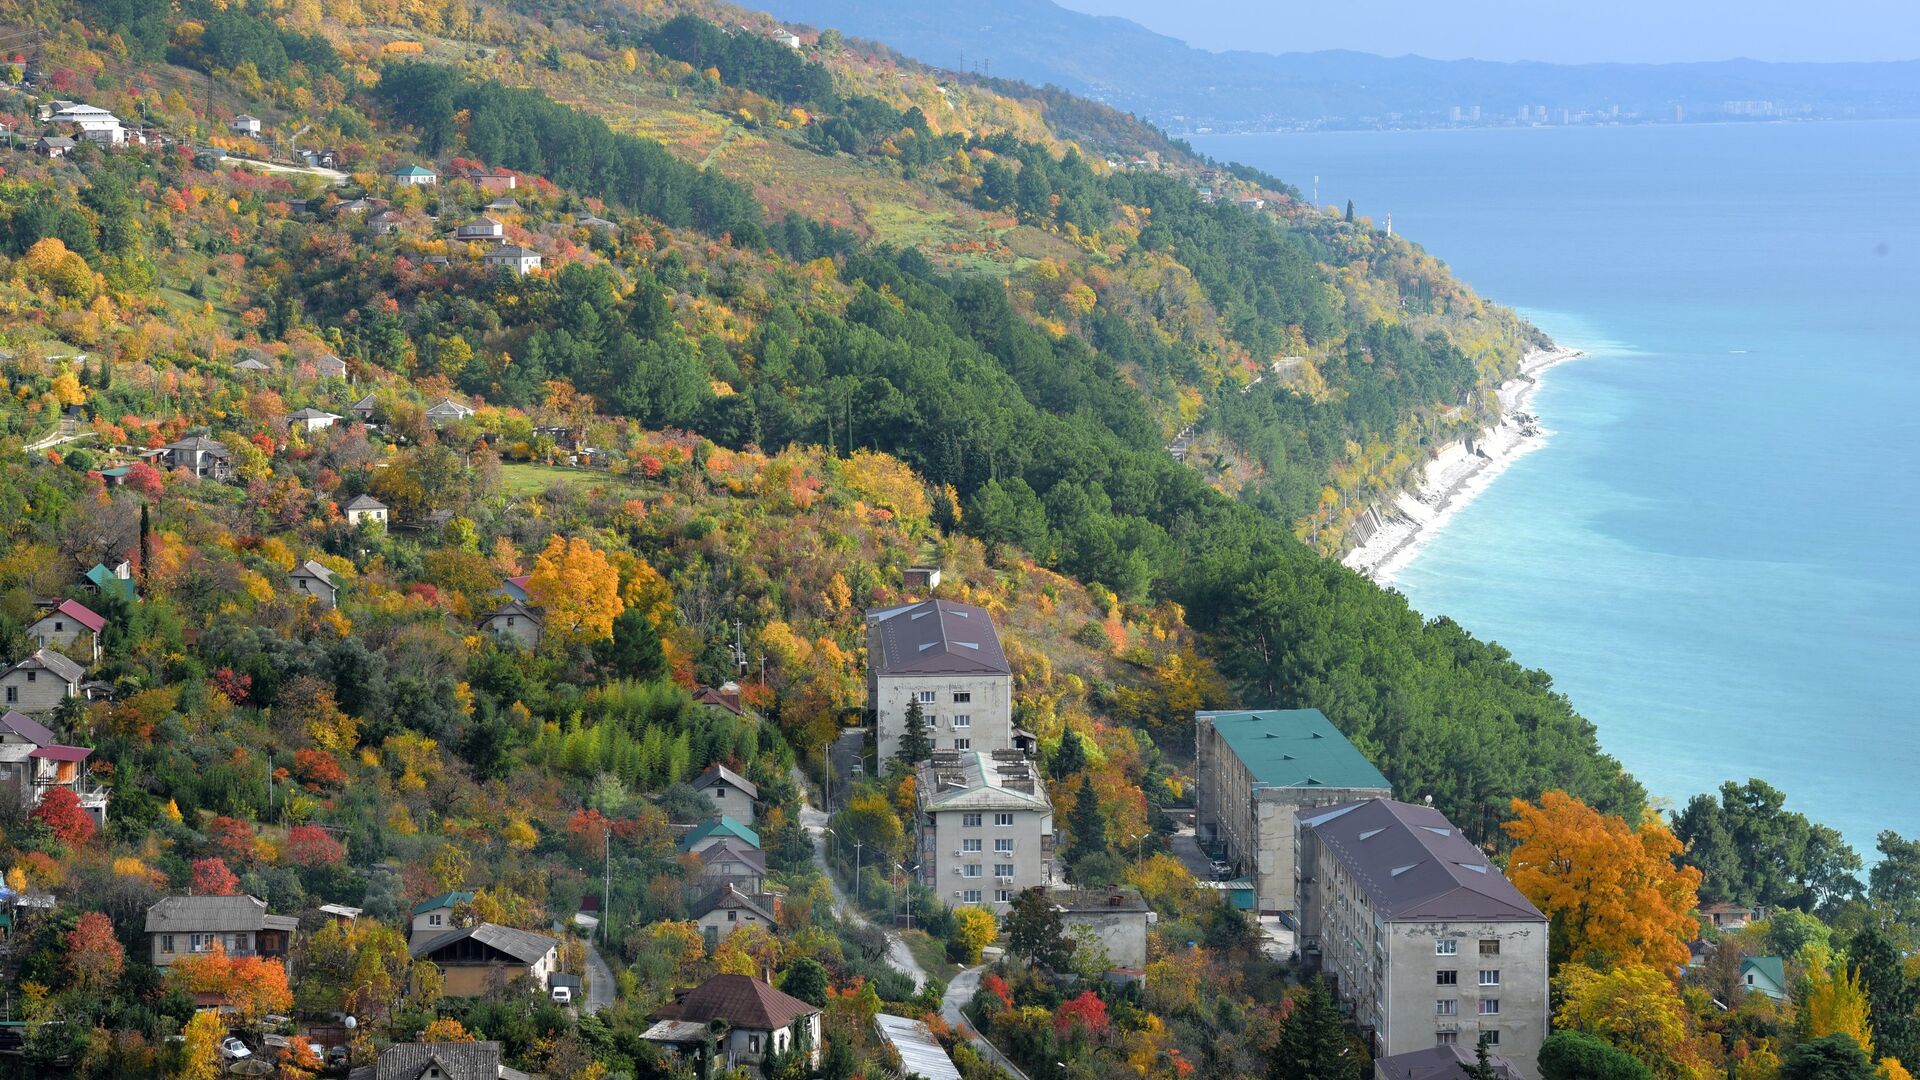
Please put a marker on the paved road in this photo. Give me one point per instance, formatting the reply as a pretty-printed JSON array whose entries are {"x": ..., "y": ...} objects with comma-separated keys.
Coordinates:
[
  {"x": 815, "y": 822},
  {"x": 959, "y": 992},
  {"x": 599, "y": 981}
]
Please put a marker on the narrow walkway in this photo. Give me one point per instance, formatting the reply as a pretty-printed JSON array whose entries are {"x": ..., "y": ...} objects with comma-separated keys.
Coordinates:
[
  {"x": 959, "y": 992},
  {"x": 815, "y": 822},
  {"x": 599, "y": 981}
]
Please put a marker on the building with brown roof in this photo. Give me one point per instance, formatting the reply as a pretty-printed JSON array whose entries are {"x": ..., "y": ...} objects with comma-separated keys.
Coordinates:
[
  {"x": 945, "y": 656},
  {"x": 439, "y": 1061},
  {"x": 985, "y": 828},
  {"x": 757, "y": 1020},
  {"x": 730, "y": 793},
  {"x": 477, "y": 960},
  {"x": 1448, "y": 1062},
  {"x": 1423, "y": 937}
]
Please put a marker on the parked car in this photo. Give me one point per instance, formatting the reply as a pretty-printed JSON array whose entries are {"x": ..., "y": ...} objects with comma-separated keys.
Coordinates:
[
  {"x": 563, "y": 995},
  {"x": 1222, "y": 871},
  {"x": 233, "y": 1049}
]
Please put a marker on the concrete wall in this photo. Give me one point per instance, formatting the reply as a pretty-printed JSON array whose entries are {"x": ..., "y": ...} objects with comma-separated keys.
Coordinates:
[
  {"x": 946, "y": 832},
  {"x": 61, "y": 632},
  {"x": 716, "y": 924},
  {"x": 236, "y": 944},
  {"x": 431, "y": 923},
  {"x": 514, "y": 628},
  {"x": 1122, "y": 933},
  {"x": 989, "y": 711},
  {"x": 731, "y": 801},
  {"x": 42, "y": 693},
  {"x": 1256, "y": 823},
  {"x": 322, "y": 593},
  {"x": 738, "y": 1047}
]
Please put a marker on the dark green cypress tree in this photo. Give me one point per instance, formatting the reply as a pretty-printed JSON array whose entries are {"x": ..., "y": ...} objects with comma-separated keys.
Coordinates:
[
  {"x": 1085, "y": 823},
  {"x": 915, "y": 745},
  {"x": 1313, "y": 1042},
  {"x": 1349, "y": 211}
]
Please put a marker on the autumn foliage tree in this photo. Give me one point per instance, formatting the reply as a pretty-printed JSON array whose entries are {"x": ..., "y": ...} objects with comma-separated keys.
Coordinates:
[
  {"x": 577, "y": 587},
  {"x": 1612, "y": 892},
  {"x": 60, "y": 811},
  {"x": 310, "y": 845},
  {"x": 95, "y": 957},
  {"x": 211, "y": 877},
  {"x": 253, "y": 985},
  {"x": 1636, "y": 1009}
]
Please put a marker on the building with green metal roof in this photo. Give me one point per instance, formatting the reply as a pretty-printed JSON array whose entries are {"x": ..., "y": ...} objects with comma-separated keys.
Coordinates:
[
  {"x": 1255, "y": 769},
  {"x": 714, "y": 831}
]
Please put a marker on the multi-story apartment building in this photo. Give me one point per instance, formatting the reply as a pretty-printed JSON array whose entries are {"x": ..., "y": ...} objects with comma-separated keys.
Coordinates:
[
  {"x": 1256, "y": 770},
  {"x": 946, "y": 657},
  {"x": 985, "y": 828},
  {"x": 1427, "y": 941}
]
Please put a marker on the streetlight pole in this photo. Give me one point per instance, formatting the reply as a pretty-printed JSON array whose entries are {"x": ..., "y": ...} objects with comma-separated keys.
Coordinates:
[
  {"x": 1139, "y": 848},
  {"x": 906, "y": 887}
]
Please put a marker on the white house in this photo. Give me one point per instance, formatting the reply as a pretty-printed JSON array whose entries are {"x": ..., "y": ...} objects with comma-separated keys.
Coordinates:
[
  {"x": 315, "y": 580},
  {"x": 66, "y": 625},
  {"x": 756, "y": 1018},
  {"x": 985, "y": 828},
  {"x": 311, "y": 420},
  {"x": 945, "y": 656},
  {"x": 243, "y": 124},
  {"x": 365, "y": 508},
  {"x": 90, "y": 123},
  {"x": 730, "y": 793},
  {"x": 448, "y": 410},
  {"x": 414, "y": 176},
  {"x": 522, "y": 261},
  {"x": 481, "y": 230},
  {"x": 41, "y": 682}
]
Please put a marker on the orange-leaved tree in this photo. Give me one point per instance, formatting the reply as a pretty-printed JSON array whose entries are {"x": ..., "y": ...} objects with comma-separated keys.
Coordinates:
[
  {"x": 1612, "y": 892},
  {"x": 577, "y": 588},
  {"x": 95, "y": 957},
  {"x": 253, "y": 985}
]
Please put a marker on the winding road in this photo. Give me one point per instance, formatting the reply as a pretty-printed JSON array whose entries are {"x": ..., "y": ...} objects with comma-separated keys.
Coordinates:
[{"x": 814, "y": 820}]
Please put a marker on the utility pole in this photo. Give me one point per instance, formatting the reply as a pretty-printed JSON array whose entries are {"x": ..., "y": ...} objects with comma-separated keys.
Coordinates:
[{"x": 606, "y": 890}]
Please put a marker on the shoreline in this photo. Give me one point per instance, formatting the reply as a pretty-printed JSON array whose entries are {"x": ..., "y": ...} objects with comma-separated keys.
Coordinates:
[{"x": 1458, "y": 474}]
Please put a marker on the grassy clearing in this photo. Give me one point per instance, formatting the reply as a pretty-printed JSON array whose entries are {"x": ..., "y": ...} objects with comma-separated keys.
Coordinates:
[
  {"x": 931, "y": 953},
  {"x": 528, "y": 478}
]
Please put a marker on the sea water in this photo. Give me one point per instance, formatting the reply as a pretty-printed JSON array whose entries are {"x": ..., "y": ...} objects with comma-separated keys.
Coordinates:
[{"x": 1716, "y": 553}]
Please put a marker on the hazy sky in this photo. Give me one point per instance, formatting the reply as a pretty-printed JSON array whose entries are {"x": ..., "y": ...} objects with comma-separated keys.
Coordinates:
[{"x": 1553, "y": 30}]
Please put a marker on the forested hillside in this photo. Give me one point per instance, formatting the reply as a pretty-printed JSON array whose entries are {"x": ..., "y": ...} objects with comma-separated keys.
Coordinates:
[{"x": 732, "y": 335}]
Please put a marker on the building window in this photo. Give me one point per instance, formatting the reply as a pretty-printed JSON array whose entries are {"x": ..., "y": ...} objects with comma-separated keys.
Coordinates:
[
  {"x": 753, "y": 1044},
  {"x": 13, "y": 694},
  {"x": 971, "y": 844},
  {"x": 1446, "y": 948},
  {"x": 59, "y": 626},
  {"x": 1004, "y": 870},
  {"x": 32, "y": 675},
  {"x": 973, "y": 869},
  {"x": 433, "y": 920},
  {"x": 1489, "y": 1006},
  {"x": 1003, "y": 821},
  {"x": 1005, "y": 896},
  {"x": 1489, "y": 946},
  {"x": 962, "y": 720},
  {"x": 166, "y": 943},
  {"x": 963, "y": 744},
  {"x": 925, "y": 697},
  {"x": 1003, "y": 846},
  {"x": 1489, "y": 978},
  {"x": 1445, "y": 1038},
  {"x": 962, "y": 697},
  {"x": 971, "y": 896},
  {"x": 733, "y": 916},
  {"x": 1490, "y": 1038},
  {"x": 1446, "y": 978},
  {"x": 969, "y": 821},
  {"x": 1446, "y": 1007}
]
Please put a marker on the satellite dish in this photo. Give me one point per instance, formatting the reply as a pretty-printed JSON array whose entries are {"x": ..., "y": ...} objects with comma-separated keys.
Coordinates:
[{"x": 352, "y": 1023}]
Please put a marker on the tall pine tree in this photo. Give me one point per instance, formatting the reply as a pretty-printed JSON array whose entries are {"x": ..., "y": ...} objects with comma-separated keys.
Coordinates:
[
  {"x": 915, "y": 745},
  {"x": 1086, "y": 825},
  {"x": 1313, "y": 1042}
]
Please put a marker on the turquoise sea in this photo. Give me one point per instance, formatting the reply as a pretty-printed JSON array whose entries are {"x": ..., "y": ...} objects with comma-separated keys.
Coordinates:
[{"x": 1717, "y": 553}]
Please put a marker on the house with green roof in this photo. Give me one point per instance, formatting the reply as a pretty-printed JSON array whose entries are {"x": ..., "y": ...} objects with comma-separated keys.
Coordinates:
[
  {"x": 116, "y": 582},
  {"x": 1255, "y": 770},
  {"x": 1764, "y": 974},
  {"x": 434, "y": 915},
  {"x": 714, "y": 831},
  {"x": 414, "y": 174}
]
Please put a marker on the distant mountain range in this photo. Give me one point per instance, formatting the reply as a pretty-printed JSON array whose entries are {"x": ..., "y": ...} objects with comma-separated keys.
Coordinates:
[{"x": 1186, "y": 90}]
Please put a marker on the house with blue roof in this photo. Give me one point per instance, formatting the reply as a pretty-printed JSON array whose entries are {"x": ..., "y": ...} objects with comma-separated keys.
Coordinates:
[
  {"x": 117, "y": 581},
  {"x": 716, "y": 830},
  {"x": 1766, "y": 975},
  {"x": 1255, "y": 770}
]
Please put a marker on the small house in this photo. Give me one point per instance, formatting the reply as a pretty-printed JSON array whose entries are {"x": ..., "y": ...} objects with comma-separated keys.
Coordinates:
[
  {"x": 757, "y": 1020},
  {"x": 364, "y": 408},
  {"x": 1725, "y": 915},
  {"x": 201, "y": 456},
  {"x": 434, "y": 915},
  {"x": 727, "y": 909},
  {"x": 330, "y": 367},
  {"x": 1764, "y": 974},
  {"x": 179, "y": 926},
  {"x": 312, "y": 579},
  {"x": 481, "y": 230},
  {"x": 341, "y": 913},
  {"x": 33, "y": 762},
  {"x": 69, "y": 623},
  {"x": 1115, "y": 917},
  {"x": 729, "y": 792},
  {"x": 252, "y": 362},
  {"x": 54, "y": 146},
  {"x": 1448, "y": 1061},
  {"x": 712, "y": 832},
  {"x": 116, "y": 582},
  {"x": 89, "y": 122},
  {"x": 43, "y": 680},
  {"x": 311, "y": 420},
  {"x": 439, "y": 1061},
  {"x": 364, "y": 508},
  {"x": 514, "y": 621},
  {"x": 516, "y": 588},
  {"x": 730, "y": 862},
  {"x": 244, "y": 125},
  {"x": 522, "y": 261},
  {"x": 726, "y": 699},
  {"x": 414, "y": 176},
  {"x": 475, "y": 960},
  {"x": 786, "y": 37},
  {"x": 922, "y": 577},
  {"x": 386, "y": 222},
  {"x": 590, "y": 221},
  {"x": 505, "y": 204},
  {"x": 448, "y": 410},
  {"x": 495, "y": 180}
]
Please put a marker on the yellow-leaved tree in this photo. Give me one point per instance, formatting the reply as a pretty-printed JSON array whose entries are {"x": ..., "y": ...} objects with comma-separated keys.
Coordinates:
[
  {"x": 199, "y": 1057},
  {"x": 973, "y": 929},
  {"x": 576, "y": 587},
  {"x": 1636, "y": 1009},
  {"x": 1612, "y": 892},
  {"x": 1832, "y": 1000}
]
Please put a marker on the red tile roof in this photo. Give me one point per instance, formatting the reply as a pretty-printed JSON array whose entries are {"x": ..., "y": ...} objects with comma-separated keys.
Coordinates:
[
  {"x": 80, "y": 613},
  {"x": 742, "y": 1001}
]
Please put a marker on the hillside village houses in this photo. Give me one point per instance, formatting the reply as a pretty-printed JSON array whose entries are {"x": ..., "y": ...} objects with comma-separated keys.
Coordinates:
[
  {"x": 983, "y": 826},
  {"x": 241, "y": 925},
  {"x": 514, "y": 621},
  {"x": 1423, "y": 938},
  {"x": 447, "y": 410},
  {"x": 199, "y": 455},
  {"x": 67, "y": 624},
  {"x": 39, "y": 683},
  {"x": 414, "y": 176},
  {"x": 494, "y": 180},
  {"x": 311, "y": 420},
  {"x": 1116, "y": 918},
  {"x": 330, "y": 366},
  {"x": 312, "y": 579},
  {"x": 362, "y": 509},
  {"x": 1255, "y": 771},
  {"x": 439, "y": 1061},
  {"x": 481, "y": 230},
  {"x": 33, "y": 761},
  {"x": 733, "y": 863},
  {"x": 245, "y": 126},
  {"x": 945, "y": 656},
  {"x": 475, "y": 961},
  {"x": 86, "y": 122},
  {"x": 522, "y": 261},
  {"x": 752, "y": 1019},
  {"x": 727, "y": 909},
  {"x": 730, "y": 793}
]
